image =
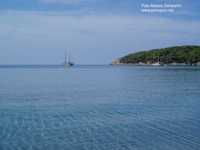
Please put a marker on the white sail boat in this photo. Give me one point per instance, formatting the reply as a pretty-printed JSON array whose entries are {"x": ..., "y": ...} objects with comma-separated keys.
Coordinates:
[{"x": 67, "y": 62}]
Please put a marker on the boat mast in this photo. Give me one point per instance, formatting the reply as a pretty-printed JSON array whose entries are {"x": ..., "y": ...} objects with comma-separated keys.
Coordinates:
[
  {"x": 69, "y": 57},
  {"x": 65, "y": 61}
]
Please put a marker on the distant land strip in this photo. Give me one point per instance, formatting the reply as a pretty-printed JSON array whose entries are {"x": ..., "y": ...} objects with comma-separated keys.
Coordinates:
[{"x": 177, "y": 55}]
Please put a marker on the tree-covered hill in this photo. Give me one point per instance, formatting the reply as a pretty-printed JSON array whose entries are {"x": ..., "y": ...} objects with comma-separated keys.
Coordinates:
[{"x": 177, "y": 54}]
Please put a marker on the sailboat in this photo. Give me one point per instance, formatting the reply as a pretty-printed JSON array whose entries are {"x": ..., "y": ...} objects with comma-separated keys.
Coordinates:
[{"x": 67, "y": 62}]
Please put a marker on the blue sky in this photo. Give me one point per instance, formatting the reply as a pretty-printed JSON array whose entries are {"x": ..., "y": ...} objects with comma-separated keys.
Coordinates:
[{"x": 95, "y": 31}]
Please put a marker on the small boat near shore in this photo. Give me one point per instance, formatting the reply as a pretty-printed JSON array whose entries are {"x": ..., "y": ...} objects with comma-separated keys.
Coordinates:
[{"x": 156, "y": 64}]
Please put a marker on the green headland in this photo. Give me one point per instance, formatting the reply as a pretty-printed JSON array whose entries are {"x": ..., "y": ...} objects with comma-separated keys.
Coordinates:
[{"x": 177, "y": 55}]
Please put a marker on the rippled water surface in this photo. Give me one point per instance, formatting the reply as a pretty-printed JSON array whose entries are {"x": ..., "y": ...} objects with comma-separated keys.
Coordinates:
[{"x": 99, "y": 108}]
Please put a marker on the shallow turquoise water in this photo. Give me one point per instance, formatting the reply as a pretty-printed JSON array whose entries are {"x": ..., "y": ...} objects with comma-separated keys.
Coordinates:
[{"x": 100, "y": 108}]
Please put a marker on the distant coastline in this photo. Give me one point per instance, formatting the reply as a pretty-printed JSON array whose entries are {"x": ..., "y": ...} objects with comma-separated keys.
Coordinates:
[{"x": 174, "y": 56}]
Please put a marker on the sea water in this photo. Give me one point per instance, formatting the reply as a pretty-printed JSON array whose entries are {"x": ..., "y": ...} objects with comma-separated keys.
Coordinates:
[{"x": 99, "y": 108}]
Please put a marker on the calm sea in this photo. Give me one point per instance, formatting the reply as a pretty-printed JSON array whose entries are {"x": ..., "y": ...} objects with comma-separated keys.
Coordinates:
[{"x": 99, "y": 108}]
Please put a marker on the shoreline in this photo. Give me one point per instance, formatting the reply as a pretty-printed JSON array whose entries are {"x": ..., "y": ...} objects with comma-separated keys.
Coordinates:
[{"x": 91, "y": 66}]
